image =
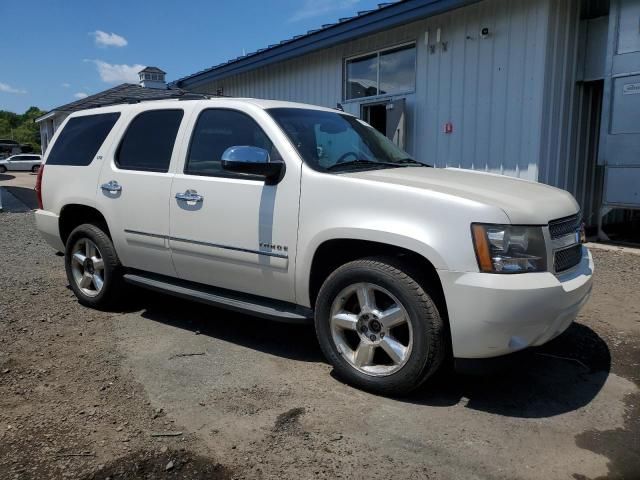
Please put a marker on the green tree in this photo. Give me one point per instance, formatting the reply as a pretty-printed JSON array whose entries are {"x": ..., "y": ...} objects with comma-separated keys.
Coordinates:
[{"x": 21, "y": 128}]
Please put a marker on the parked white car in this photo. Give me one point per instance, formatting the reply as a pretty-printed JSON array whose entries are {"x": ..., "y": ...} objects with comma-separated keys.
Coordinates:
[
  {"x": 294, "y": 212},
  {"x": 21, "y": 162}
]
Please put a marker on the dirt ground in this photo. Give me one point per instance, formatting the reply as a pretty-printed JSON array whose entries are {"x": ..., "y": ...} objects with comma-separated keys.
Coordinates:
[{"x": 165, "y": 388}]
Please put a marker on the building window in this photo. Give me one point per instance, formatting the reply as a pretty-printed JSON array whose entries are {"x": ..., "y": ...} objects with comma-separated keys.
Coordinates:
[{"x": 384, "y": 72}]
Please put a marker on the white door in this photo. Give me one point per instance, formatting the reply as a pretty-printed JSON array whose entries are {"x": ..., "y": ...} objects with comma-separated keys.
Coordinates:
[
  {"x": 241, "y": 234},
  {"x": 134, "y": 187}
]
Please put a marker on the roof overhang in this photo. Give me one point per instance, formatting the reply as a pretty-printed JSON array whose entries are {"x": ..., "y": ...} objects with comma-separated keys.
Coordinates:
[
  {"x": 46, "y": 116},
  {"x": 382, "y": 19}
]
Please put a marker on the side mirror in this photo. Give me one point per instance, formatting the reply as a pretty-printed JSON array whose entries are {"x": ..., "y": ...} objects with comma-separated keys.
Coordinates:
[{"x": 254, "y": 161}]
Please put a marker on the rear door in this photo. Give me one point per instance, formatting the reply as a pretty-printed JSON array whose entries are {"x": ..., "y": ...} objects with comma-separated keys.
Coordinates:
[{"x": 134, "y": 187}]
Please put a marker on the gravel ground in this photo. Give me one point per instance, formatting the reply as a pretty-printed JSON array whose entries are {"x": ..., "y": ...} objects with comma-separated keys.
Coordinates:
[{"x": 83, "y": 393}]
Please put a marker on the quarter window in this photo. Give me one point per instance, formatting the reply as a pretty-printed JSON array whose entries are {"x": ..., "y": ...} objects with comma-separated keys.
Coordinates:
[
  {"x": 81, "y": 138},
  {"x": 148, "y": 143},
  {"x": 215, "y": 131},
  {"x": 385, "y": 72}
]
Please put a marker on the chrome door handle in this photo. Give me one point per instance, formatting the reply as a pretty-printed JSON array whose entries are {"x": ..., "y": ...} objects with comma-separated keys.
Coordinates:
[
  {"x": 190, "y": 196},
  {"x": 111, "y": 186}
]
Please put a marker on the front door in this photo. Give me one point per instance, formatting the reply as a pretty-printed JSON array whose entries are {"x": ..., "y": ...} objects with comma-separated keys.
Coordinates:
[
  {"x": 19, "y": 163},
  {"x": 236, "y": 232},
  {"x": 134, "y": 188}
]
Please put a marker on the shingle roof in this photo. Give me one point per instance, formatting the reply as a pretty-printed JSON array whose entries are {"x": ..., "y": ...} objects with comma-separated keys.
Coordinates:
[
  {"x": 125, "y": 92},
  {"x": 152, "y": 70}
]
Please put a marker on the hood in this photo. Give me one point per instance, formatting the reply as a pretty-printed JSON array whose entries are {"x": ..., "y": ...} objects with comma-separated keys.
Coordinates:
[{"x": 524, "y": 202}]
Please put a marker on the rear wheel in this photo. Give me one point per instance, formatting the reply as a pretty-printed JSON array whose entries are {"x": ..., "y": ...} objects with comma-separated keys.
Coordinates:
[
  {"x": 35, "y": 168},
  {"x": 378, "y": 326},
  {"x": 93, "y": 269}
]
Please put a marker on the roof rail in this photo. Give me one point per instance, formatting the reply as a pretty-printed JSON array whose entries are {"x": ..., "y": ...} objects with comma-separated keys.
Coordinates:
[{"x": 194, "y": 96}]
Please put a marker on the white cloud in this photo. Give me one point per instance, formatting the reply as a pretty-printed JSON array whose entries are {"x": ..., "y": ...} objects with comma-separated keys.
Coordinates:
[
  {"x": 117, "y": 73},
  {"x": 9, "y": 89},
  {"x": 315, "y": 8},
  {"x": 80, "y": 95},
  {"x": 65, "y": 85},
  {"x": 104, "y": 39}
]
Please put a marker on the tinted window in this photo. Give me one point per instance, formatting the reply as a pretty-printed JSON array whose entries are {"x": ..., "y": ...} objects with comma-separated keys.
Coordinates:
[
  {"x": 215, "y": 131},
  {"x": 148, "y": 143},
  {"x": 81, "y": 139}
]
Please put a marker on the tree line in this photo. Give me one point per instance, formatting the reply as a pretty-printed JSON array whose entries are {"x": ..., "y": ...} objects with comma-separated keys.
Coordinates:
[{"x": 21, "y": 128}]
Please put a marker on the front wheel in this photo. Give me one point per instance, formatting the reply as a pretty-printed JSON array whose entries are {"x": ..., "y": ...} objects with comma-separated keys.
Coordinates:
[
  {"x": 93, "y": 269},
  {"x": 35, "y": 168},
  {"x": 3, "y": 169},
  {"x": 378, "y": 326}
]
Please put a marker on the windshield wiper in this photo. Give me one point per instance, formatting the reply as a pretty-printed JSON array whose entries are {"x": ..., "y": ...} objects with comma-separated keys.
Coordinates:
[
  {"x": 410, "y": 161},
  {"x": 363, "y": 161}
]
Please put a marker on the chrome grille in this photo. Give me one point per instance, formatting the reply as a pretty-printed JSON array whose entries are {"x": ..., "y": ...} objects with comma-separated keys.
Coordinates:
[
  {"x": 567, "y": 258},
  {"x": 564, "y": 226}
]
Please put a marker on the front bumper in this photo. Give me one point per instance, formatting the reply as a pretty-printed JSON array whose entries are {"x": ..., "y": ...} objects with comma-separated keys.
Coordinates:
[{"x": 493, "y": 314}]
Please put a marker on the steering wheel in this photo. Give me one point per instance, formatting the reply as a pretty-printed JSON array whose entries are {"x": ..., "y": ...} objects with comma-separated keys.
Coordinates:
[{"x": 343, "y": 158}]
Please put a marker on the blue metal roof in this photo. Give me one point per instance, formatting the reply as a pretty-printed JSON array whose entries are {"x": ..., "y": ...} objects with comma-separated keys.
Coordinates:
[{"x": 387, "y": 15}]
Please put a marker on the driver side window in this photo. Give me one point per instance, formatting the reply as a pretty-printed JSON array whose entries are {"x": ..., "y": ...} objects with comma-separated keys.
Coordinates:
[{"x": 215, "y": 131}]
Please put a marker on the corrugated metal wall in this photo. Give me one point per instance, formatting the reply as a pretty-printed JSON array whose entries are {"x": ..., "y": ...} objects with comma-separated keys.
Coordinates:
[
  {"x": 512, "y": 96},
  {"x": 489, "y": 88}
]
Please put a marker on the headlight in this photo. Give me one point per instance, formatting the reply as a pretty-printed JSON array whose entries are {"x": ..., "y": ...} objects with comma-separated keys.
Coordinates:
[{"x": 509, "y": 248}]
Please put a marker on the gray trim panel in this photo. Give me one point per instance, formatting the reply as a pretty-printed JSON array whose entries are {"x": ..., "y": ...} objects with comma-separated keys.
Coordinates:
[{"x": 208, "y": 244}]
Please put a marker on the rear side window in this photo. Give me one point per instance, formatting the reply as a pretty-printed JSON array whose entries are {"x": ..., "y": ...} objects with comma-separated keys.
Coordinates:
[
  {"x": 81, "y": 139},
  {"x": 148, "y": 143}
]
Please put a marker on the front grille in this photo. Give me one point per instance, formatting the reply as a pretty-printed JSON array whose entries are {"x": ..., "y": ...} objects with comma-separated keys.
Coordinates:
[
  {"x": 567, "y": 258},
  {"x": 564, "y": 226}
]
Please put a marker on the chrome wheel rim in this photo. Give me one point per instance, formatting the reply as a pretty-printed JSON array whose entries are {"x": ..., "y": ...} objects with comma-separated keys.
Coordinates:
[
  {"x": 371, "y": 329},
  {"x": 87, "y": 267}
]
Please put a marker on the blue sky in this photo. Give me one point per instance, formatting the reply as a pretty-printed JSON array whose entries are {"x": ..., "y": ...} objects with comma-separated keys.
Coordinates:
[{"x": 55, "y": 51}]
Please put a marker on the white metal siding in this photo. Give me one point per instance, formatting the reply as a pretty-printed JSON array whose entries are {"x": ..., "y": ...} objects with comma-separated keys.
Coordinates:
[
  {"x": 511, "y": 97},
  {"x": 491, "y": 89}
]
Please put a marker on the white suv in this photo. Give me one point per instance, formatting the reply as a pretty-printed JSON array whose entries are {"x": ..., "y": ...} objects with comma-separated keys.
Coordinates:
[
  {"x": 22, "y": 161},
  {"x": 294, "y": 212}
]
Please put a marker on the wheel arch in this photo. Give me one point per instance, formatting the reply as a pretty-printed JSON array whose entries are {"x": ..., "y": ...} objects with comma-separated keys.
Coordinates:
[
  {"x": 75, "y": 214},
  {"x": 334, "y": 252}
]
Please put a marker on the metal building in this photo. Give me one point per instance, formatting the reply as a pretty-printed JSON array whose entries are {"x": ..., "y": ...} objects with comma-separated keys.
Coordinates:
[{"x": 546, "y": 90}]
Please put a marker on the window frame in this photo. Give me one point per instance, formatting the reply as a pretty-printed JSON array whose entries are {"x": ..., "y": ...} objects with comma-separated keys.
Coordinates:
[
  {"x": 231, "y": 175},
  {"x": 116, "y": 153},
  {"x": 378, "y": 53}
]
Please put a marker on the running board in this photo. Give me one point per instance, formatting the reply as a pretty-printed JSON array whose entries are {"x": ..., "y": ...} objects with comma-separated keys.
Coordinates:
[{"x": 230, "y": 300}]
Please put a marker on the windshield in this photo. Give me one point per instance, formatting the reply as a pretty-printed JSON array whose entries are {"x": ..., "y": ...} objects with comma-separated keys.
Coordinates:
[{"x": 329, "y": 141}]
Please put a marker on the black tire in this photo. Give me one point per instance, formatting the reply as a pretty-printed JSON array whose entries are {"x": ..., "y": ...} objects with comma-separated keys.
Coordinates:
[
  {"x": 3, "y": 169},
  {"x": 429, "y": 338},
  {"x": 112, "y": 272},
  {"x": 35, "y": 169}
]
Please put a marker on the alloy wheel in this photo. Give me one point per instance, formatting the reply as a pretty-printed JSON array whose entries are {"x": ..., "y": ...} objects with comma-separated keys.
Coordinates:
[
  {"x": 87, "y": 266},
  {"x": 371, "y": 329}
]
